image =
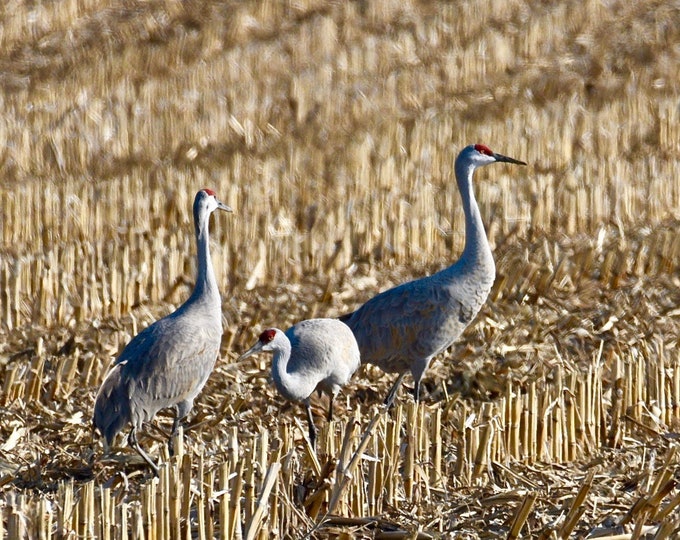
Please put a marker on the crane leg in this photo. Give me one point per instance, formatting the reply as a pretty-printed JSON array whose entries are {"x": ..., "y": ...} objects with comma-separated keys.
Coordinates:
[
  {"x": 416, "y": 392},
  {"x": 171, "y": 442},
  {"x": 132, "y": 439},
  {"x": 181, "y": 411},
  {"x": 312, "y": 427},
  {"x": 389, "y": 401},
  {"x": 329, "y": 417}
]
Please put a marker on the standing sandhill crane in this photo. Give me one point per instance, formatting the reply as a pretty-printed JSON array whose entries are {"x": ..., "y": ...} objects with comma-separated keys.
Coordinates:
[
  {"x": 403, "y": 328},
  {"x": 167, "y": 364},
  {"x": 316, "y": 354}
]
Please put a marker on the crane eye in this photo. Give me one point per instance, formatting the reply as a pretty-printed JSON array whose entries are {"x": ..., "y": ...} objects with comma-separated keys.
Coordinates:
[{"x": 267, "y": 335}]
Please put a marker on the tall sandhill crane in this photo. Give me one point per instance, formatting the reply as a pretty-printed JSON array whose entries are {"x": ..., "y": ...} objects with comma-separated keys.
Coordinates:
[
  {"x": 316, "y": 354},
  {"x": 403, "y": 328},
  {"x": 167, "y": 363}
]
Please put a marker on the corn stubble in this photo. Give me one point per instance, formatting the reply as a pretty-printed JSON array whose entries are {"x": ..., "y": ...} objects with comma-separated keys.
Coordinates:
[{"x": 331, "y": 128}]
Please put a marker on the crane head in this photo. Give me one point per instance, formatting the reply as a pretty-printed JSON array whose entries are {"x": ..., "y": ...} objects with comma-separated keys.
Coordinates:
[
  {"x": 209, "y": 198},
  {"x": 480, "y": 154},
  {"x": 264, "y": 343}
]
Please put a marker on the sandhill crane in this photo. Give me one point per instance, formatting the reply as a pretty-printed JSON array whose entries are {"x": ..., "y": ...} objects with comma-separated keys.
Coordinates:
[
  {"x": 167, "y": 363},
  {"x": 316, "y": 354},
  {"x": 403, "y": 328}
]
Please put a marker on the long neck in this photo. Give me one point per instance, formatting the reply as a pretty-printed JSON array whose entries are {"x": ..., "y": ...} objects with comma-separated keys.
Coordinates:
[
  {"x": 476, "y": 256},
  {"x": 292, "y": 386},
  {"x": 283, "y": 380},
  {"x": 206, "y": 284}
]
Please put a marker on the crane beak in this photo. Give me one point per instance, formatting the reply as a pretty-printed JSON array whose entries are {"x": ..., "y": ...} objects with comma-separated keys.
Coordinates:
[
  {"x": 254, "y": 349},
  {"x": 223, "y": 206},
  {"x": 506, "y": 159}
]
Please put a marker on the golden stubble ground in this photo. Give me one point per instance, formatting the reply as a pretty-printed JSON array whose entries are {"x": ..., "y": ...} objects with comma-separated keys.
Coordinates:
[{"x": 331, "y": 129}]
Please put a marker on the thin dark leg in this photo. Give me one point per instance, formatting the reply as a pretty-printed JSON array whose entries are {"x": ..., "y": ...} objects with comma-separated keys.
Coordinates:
[
  {"x": 312, "y": 428},
  {"x": 416, "y": 392},
  {"x": 329, "y": 417},
  {"x": 393, "y": 391},
  {"x": 132, "y": 439},
  {"x": 181, "y": 412},
  {"x": 175, "y": 427}
]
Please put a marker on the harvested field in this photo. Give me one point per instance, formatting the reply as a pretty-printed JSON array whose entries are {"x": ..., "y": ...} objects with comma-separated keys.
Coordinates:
[{"x": 331, "y": 129}]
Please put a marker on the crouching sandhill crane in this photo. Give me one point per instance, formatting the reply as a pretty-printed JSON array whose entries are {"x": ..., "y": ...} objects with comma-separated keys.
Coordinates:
[
  {"x": 403, "y": 328},
  {"x": 316, "y": 354},
  {"x": 167, "y": 363}
]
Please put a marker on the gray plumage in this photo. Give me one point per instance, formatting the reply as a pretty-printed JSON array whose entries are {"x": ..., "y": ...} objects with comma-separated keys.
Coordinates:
[
  {"x": 403, "y": 328},
  {"x": 316, "y": 354},
  {"x": 168, "y": 363}
]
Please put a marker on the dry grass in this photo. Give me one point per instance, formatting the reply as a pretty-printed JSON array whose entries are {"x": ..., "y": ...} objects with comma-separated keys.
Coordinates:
[{"x": 331, "y": 128}]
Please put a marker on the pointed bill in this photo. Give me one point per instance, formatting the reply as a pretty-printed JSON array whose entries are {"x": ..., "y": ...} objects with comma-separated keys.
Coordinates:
[
  {"x": 506, "y": 159},
  {"x": 254, "y": 349},
  {"x": 223, "y": 206}
]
